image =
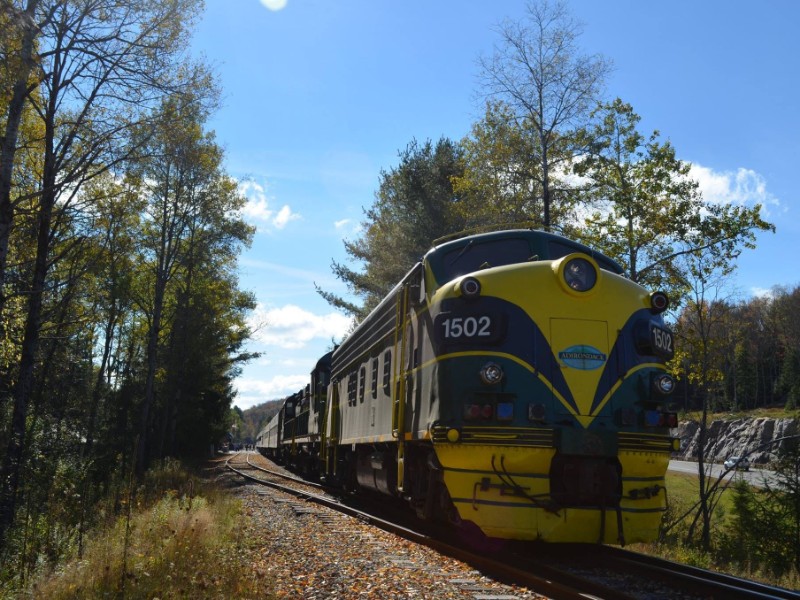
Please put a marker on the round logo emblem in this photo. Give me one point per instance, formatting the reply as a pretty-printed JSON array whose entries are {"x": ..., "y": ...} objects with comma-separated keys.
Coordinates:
[{"x": 583, "y": 357}]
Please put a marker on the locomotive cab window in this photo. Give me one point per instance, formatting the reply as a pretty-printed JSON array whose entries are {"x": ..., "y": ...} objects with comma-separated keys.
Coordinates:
[{"x": 474, "y": 256}]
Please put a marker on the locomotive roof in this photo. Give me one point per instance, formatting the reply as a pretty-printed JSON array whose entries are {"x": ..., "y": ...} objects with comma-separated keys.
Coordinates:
[
  {"x": 542, "y": 245},
  {"x": 324, "y": 363}
]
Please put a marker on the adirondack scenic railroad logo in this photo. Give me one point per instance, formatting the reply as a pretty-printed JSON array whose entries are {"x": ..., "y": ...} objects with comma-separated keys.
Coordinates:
[{"x": 585, "y": 358}]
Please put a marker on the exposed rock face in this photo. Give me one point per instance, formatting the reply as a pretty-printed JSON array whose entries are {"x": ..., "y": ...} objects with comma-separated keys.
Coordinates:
[{"x": 752, "y": 437}]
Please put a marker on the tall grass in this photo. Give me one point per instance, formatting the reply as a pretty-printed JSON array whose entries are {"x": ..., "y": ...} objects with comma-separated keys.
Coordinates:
[{"x": 179, "y": 540}]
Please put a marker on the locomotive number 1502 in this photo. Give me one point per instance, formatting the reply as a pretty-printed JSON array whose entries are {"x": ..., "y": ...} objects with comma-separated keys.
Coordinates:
[
  {"x": 661, "y": 340},
  {"x": 469, "y": 327}
]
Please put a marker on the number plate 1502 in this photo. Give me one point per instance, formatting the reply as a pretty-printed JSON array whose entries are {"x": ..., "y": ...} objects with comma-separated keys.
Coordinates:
[
  {"x": 458, "y": 327},
  {"x": 453, "y": 328},
  {"x": 661, "y": 341}
]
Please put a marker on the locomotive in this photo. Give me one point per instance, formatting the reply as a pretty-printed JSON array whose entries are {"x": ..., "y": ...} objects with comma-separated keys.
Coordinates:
[{"x": 513, "y": 383}]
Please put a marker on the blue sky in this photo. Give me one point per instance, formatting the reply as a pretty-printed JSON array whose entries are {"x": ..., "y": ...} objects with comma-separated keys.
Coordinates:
[{"x": 320, "y": 95}]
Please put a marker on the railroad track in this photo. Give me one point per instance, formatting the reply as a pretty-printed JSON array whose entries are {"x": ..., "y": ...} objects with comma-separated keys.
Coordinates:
[
  {"x": 494, "y": 568},
  {"x": 582, "y": 571},
  {"x": 700, "y": 581}
]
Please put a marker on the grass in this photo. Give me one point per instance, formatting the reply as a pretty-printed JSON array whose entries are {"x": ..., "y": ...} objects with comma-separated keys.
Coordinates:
[
  {"x": 174, "y": 546},
  {"x": 683, "y": 490}
]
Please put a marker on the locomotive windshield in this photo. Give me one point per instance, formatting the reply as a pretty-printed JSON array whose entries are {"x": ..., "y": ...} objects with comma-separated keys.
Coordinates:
[
  {"x": 471, "y": 254},
  {"x": 480, "y": 255}
]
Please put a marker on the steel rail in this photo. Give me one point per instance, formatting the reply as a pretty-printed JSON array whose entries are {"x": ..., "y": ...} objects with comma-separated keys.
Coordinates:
[{"x": 702, "y": 581}]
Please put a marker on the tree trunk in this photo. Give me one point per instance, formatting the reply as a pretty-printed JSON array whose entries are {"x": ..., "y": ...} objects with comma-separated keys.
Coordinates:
[
  {"x": 12, "y": 461},
  {"x": 143, "y": 451},
  {"x": 8, "y": 143}
]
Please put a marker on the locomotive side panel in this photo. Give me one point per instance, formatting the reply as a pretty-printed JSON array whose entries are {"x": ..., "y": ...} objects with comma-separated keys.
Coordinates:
[{"x": 268, "y": 440}]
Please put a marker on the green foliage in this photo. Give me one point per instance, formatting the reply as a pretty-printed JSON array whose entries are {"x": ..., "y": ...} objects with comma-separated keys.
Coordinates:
[
  {"x": 758, "y": 515},
  {"x": 789, "y": 381},
  {"x": 738, "y": 355},
  {"x": 500, "y": 183},
  {"x": 744, "y": 378},
  {"x": 650, "y": 215},
  {"x": 254, "y": 419},
  {"x": 116, "y": 102},
  {"x": 743, "y": 543},
  {"x": 414, "y": 206}
]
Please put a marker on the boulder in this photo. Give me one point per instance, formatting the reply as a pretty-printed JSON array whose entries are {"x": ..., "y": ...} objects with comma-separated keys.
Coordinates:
[{"x": 759, "y": 439}]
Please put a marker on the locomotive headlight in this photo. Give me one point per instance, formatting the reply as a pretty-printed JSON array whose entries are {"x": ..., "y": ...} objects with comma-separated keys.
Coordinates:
[
  {"x": 580, "y": 275},
  {"x": 659, "y": 302},
  {"x": 491, "y": 373},
  {"x": 470, "y": 287},
  {"x": 663, "y": 384}
]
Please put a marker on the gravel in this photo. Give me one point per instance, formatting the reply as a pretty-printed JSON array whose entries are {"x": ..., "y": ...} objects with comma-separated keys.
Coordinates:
[{"x": 311, "y": 552}]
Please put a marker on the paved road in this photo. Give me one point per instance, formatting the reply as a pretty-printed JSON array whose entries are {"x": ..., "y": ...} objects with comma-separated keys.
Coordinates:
[{"x": 755, "y": 477}]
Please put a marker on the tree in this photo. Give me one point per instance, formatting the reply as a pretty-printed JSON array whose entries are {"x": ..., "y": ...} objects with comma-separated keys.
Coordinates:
[
  {"x": 548, "y": 88},
  {"x": 649, "y": 213},
  {"x": 99, "y": 66},
  {"x": 786, "y": 306},
  {"x": 414, "y": 205},
  {"x": 499, "y": 183},
  {"x": 192, "y": 225},
  {"x": 116, "y": 211},
  {"x": 18, "y": 45},
  {"x": 208, "y": 325},
  {"x": 758, "y": 516},
  {"x": 701, "y": 334}
]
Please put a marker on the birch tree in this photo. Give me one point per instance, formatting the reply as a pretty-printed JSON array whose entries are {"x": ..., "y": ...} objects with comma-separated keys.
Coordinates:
[{"x": 539, "y": 73}]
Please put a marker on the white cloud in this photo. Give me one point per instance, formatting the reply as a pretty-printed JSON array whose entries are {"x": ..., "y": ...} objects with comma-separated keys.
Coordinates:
[
  {"x": 252, "y": 392},
  {"x": 257, "y": 208},
  {"x": 742, "y": 187},
  {"x": 278, "y": 386},
  {"x": 292, "y": 327},
  {"x": 759, "y": 292},
  {"x": 348, "y": 228},
  {"x": 274, "y": 4},
  {"x": 284, "y": 215}
]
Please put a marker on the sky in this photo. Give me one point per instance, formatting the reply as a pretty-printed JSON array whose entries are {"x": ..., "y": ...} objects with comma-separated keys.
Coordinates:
[{"x": 320, "y": 96}]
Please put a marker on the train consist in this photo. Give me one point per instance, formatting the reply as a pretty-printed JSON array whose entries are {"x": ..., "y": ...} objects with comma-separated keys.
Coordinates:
[{"x": 513, "y": 382}]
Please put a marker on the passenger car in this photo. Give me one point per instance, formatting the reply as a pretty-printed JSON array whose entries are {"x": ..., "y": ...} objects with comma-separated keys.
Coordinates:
[{"x": 737, "y": 462}]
